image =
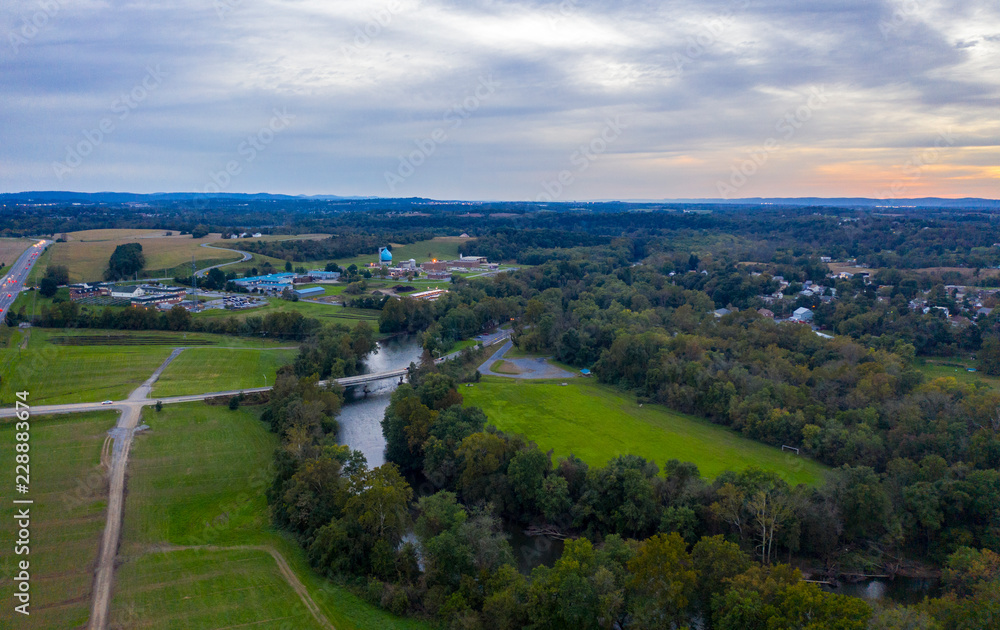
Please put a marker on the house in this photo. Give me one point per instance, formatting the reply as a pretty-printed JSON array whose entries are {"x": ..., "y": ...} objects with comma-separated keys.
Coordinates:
[
  {"x": 721, "y": 312},
  {"x": 825, "y": 259},
  {"x": 801, "y": 314},
  {"x": 766, "y": 313},
  {"x": 984, "y": 312}
]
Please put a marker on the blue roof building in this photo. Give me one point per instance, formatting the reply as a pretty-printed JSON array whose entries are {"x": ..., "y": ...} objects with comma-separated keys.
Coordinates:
[
  {"x": 384, "y": 255},
  {"x": 311, "y": 291}
]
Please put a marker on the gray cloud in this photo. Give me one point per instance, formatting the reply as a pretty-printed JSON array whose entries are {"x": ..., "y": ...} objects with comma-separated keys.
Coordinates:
[{"x": 698, "y": 83}]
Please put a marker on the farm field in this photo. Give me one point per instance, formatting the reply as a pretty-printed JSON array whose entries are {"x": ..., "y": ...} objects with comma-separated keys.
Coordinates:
[
  {"x": 198, "y": 478},
  {"x": 68, "y": 488},
  {"x": 199, "y": 370},
  {"x": 86, "y": 253},
  {"x": 596, "y": 423},
  {"x": 10, "y": 249},
  {"x": 94, "y": 365}
]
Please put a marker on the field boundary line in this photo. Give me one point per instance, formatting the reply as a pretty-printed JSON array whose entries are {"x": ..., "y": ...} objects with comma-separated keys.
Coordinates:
[{"x": 283, "y": 568}]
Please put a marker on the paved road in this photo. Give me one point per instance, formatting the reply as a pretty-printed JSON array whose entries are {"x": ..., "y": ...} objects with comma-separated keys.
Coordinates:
[
  {"x": 246, "y": 256},
  {"x": 17, "y": 274},
  {"x": 529, "y": 368}
]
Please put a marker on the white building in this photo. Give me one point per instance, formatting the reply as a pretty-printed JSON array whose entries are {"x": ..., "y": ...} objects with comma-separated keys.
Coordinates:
[{"x": 801, "y": 314}]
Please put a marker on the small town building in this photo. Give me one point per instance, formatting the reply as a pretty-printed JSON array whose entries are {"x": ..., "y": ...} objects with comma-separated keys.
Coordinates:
[
  {"x": 801, "y": 314},
  {"x": 310, "y": 292},
  {"x": 430, "y": 296}
]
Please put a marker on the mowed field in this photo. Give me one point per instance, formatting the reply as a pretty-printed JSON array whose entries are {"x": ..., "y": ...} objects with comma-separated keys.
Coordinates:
[
  {"x": 596, "y": 423},
  {"x": 197, "y": 541},
  {"x": 327, "y": 313},
  {"x": 200, "y": 370},
  {"x": 957, "y": 368},
  {"x": 68, "y": 366},
  {"x": 69, "y": 491}
]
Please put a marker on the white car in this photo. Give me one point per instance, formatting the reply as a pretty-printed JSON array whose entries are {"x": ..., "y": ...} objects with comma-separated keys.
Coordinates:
[{"x": 108, "y": 402}]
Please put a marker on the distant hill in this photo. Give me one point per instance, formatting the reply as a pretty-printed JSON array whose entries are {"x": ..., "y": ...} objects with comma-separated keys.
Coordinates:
[{"x": 58, "y": 196}]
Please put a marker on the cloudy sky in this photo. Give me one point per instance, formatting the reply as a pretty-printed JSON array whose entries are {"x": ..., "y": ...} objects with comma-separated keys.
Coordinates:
[{"x": 497, "y": 99}]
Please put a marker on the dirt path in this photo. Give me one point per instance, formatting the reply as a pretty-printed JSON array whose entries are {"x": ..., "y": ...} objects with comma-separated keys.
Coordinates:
[
  {"x": 286, "y": 572},
  {"x": 122, "y": 435}
]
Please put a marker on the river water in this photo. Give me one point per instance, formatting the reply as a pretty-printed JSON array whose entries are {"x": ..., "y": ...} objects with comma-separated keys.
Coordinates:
[
  {"x": 361, "y": 429},
  {"x": 361, "y": 418}
]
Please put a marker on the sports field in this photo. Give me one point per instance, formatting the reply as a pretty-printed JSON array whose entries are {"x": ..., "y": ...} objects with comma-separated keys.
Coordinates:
[
  {"x": 197, "y": 480},
  {"x": 68, "y": 488},
  {"x": 200, "y": 370},
  {"x": 596, "y": 423},
  {"x": 73, "y": 365}
]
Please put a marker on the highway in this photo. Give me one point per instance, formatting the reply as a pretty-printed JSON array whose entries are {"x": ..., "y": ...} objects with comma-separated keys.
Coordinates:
[{"x": 13, "y": 282}]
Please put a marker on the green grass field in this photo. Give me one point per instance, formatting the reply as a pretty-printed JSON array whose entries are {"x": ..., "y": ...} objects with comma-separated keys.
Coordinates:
[
  {"x": 68, "y": 488},
  {"x": 957, "y": 368},
  {"x": 198, "y": 478},
  {"x": 596, "y": 423},
  {"x": 200, "y": 370},
  {"x": 59, "y": 372},
  {"x": 324, "y": 312}
]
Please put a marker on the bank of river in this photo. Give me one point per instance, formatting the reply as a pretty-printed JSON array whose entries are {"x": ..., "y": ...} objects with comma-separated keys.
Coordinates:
[{"x": 361, "y": 429}]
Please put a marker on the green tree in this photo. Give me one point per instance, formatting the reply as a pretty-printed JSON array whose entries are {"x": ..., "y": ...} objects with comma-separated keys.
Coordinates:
[
  {"x": 126, "y": 261},
  {"x": 48, "y": 287},
  {"x": 663, "y": 579}
]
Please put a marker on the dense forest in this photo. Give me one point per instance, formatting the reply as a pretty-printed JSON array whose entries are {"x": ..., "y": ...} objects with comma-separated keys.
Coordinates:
[{"x": 688, "y": 307}]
